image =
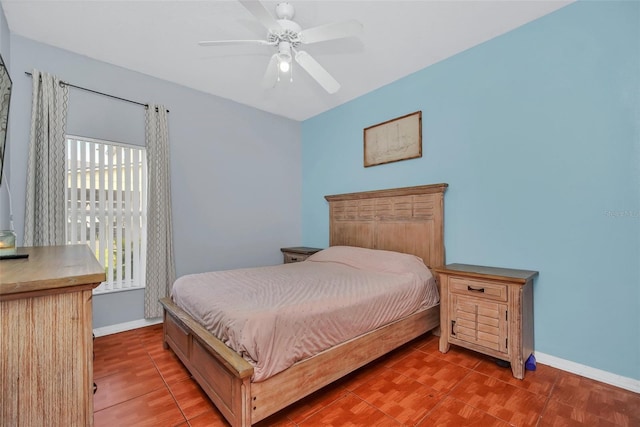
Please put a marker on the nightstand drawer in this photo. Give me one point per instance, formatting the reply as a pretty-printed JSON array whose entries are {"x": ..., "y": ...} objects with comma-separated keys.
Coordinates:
[
  {"x": 291, "y": 257},
  {"x": 298, "y": 253},
  {"x": 478, "y": 288}
]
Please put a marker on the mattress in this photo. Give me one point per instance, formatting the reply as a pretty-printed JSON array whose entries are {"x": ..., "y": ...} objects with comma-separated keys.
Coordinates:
[{"x": 275, "y": 316}]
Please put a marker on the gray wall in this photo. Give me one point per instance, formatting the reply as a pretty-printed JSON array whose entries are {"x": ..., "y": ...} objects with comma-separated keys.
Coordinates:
[{"x": 236, "y": 171}]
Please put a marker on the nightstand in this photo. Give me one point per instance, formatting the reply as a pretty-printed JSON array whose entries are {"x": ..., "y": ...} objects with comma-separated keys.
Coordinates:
[
  {"x": 297, "y": 254},
  {"x": 489, "y": 310}
]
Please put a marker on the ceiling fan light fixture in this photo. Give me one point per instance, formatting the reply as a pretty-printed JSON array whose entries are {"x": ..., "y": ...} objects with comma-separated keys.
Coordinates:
[
  {"x": 284, "y": 57},
  {"x": 284, "y": 64}
]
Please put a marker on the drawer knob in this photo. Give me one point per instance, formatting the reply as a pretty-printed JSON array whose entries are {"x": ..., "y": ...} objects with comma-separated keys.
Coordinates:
[{"x": 469, "y": 288}]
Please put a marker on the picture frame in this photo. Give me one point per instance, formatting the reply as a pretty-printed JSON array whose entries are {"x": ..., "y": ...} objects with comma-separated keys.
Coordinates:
[
  {"x": 5, "y": 98},
  {"x": 394, "y": 140}
]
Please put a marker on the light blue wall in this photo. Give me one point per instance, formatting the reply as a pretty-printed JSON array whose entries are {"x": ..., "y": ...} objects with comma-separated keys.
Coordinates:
[
  {"x": 537, "y": 134},
  {"x": 236, "y": 171}
]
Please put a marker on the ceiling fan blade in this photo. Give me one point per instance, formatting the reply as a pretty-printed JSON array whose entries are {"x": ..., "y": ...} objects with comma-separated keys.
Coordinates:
[
  {"x": 271, "y": 74},
  {"x": 233, "y": 42},
  {"x": 331, "y": 31},
  {"x": 257, "y": 9},
  {"x": 316, "y": 71}
]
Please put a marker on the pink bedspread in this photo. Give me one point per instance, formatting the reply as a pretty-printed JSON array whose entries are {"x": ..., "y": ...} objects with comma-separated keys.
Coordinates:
[{"x": 275, "y": 316}]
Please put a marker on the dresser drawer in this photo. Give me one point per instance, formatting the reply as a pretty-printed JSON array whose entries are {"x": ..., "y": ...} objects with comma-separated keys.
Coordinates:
[{"x": 478, "y": 288}]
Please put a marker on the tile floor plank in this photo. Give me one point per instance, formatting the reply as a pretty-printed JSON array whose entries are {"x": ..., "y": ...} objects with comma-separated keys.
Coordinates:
[
  {"x": 454, "y": 413},
  {"x": 500, "y": 399},
  {"x": 153, "y": 409},
  {"x": 126, "y": 384},
  {"x": 191, "y": 400},
  {"x": 614, "y": 404},
  {"x": 350, "y": 411},
  {"x": 400, "y": 397}
]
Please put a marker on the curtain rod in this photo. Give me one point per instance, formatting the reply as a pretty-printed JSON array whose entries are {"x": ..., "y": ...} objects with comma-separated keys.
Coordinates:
[{"x": 99, "y": 93}]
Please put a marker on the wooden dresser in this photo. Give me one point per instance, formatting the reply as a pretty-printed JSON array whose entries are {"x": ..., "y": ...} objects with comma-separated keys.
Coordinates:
[
  {"x": 46, "y": 368},
  {"x": 489, "y": 310}
]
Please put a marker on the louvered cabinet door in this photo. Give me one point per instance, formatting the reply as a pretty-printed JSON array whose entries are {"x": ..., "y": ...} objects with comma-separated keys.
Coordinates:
[
  {"x": 489, "y": 310},
  {"x": 479, "y": 323}
]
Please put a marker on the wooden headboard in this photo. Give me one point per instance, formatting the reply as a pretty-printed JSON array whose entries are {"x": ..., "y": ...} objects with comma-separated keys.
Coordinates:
[{"x": 409, "y": 220}]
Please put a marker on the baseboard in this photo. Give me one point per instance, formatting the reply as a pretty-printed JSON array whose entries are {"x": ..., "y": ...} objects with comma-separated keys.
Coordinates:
[
  {"x": 126, "y": 326},
  {"x": 589, "y": 372}
]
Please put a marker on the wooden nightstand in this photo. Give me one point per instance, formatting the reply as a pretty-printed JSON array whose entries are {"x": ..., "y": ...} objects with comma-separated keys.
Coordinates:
[
  {"x": 297, "y": 254},
  {"x": 489, "y": 310}
]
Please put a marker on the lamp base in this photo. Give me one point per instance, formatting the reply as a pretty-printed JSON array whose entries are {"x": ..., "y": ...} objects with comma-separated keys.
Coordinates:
[{"x": 7, "y": 242}]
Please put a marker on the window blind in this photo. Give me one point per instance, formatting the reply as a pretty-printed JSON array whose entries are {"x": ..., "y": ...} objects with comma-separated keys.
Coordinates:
[{"x": 107, "y": 207}]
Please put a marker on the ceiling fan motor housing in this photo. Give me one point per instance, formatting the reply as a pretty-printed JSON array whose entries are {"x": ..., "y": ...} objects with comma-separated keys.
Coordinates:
[{"x": 290, "y": 33}]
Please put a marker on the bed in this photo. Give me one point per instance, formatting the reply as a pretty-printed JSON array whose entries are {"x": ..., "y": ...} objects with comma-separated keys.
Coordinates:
[{"x": 407, "y": 220}]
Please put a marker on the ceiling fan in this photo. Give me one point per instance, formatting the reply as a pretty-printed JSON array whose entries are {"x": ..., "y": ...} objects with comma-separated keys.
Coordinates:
[{"x": 287, "y": 37}]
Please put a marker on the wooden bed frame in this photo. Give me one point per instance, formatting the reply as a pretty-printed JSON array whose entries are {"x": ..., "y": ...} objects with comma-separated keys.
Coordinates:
[{"x": 409, "y": 220}]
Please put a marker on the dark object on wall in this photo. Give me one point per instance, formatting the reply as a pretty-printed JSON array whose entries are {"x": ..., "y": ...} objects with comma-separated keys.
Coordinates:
[{"x": 5, "y": 97}]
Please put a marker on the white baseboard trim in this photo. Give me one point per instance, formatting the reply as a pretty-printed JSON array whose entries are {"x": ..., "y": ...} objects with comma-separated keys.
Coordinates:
[
  {"x": 126, "y": 326},
  {"x": 589, "y": 372}
]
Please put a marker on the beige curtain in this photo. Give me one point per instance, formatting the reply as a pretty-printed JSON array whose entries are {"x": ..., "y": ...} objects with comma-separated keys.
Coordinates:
[
  {"x": 160, "y": 266},
  {"x": 44, "y": 222}
]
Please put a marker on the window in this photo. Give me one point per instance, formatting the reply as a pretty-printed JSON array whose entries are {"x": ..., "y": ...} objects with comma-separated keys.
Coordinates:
[{"x": 107, "y": 207}]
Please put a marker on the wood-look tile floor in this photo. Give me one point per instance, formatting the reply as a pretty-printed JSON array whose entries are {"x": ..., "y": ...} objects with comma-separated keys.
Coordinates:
[{"x": 141, "y": 384}]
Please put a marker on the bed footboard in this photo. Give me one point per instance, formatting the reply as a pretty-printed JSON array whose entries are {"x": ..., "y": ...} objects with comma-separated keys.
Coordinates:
[{"x": 222, "y": 373}]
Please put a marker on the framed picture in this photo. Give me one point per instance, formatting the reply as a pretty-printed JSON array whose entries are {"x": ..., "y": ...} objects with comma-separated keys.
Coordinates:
[
  {"x": 5, "y": 97},
  {"x": 394, "y": 140}
]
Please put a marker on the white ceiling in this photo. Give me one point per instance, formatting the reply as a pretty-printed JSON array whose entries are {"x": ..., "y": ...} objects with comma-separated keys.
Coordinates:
[{"x": 159, "y": 38}]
